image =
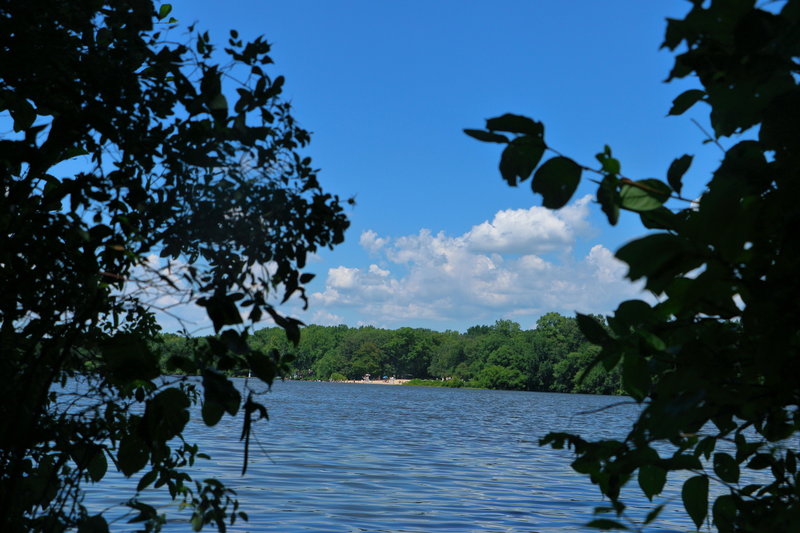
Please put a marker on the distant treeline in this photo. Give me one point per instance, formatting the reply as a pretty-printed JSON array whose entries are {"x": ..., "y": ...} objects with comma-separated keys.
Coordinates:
[{"x": 552, "y": 357}]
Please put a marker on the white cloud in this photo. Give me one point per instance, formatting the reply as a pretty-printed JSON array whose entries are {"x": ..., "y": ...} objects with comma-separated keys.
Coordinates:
[
  {"x": 534, "y": 230},
  {"x": 342, "y": 277},
  {"x": 324, "y": 318},
  {"x": 371, "y": 242},
  {"x": 375, "y": 269},
  {"x": 494, "y": 270},
  {"x": 607, "y": 267}
]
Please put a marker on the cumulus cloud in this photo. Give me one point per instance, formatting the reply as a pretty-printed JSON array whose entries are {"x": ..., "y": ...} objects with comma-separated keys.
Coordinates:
[
  {"x": 371, "y": 242},
  {"x": 534, "y": 230},
  {"x": 499, "y": 268},
  {"x": 324, "y": 318}
]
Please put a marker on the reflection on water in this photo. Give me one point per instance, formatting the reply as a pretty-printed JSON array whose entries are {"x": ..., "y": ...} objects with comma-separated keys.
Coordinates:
[{"x": 349, "y": 457}]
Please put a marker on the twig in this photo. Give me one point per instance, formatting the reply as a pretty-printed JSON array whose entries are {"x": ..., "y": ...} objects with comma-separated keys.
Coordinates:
[{"x": 708, "y": 135}]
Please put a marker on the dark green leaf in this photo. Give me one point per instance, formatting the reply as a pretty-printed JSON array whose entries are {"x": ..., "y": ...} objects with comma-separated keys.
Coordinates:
[
  {"x": 644, "y": 195},
  {"x": 219, "y": 393},
  {"x": 221, "y": 310},
  {"x": 682, "y": 461},
  {"x": 128, "y": 358},
  {"x": 166, "y": 414},
  {"x": 705, "y": 447},
  {"x": 146, "y": 480},
  {"x": 609, "y": 199},
  {"x": 651, "y": 341},
  {"x": 519, "y": 159},
  {"x": 724, "y": 512},
  {"x": 263, "y": 367},
  {"x": 685, "y": 100},
  {"x": 556, "y": 180},
  {"x": 791, "y": 462},
  {"x": 651, "y": 480},
  {"x": 606, "y": 524},
  {"x": 761, "y": 461},
  {"x": 659, "y": 218},
  {"x": 652, "y": 515},
  {"x": 486, "y": 136},
  {"x": 695, "y": 498},
  {"x": 164, "y": 10},
  {"x": 132, "y": 455},
  {"x": 211, "y": 412},
  {"x": 676, "y": 171},
  {"x": 611, "y": 165},
  {"x": 635, "y": 375},
  {"x": 632, "y": 314},
  {"x": 660, "y": 257},
  {"x": 726, "y": 468},
  {"x": 23, "y": 114},
  {"x": 592, "y": 329},
  {"x": 516, "y": 124},
  {"x": 93, "y": 524},
  {"x": 97, "y": 466}
]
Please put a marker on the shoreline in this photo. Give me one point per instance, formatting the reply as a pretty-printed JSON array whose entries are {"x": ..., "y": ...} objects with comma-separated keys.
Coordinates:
[{"x": 375, "y": 381}]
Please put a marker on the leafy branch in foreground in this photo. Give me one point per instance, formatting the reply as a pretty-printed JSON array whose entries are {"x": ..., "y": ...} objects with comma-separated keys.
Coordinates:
[
  {"x": 714, "y": 363},
  {"x": 137, "y": 173}
]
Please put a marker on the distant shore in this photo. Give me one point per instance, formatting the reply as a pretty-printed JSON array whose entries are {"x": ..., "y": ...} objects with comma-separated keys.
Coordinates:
[{"x": 376, "y": 381}]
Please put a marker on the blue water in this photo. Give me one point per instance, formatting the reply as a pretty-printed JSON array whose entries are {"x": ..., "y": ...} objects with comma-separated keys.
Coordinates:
[{"x": 351, "y": 457}]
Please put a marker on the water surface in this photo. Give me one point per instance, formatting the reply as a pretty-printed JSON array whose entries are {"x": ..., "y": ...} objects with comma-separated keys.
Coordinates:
[{"x": 351, "y": 457}]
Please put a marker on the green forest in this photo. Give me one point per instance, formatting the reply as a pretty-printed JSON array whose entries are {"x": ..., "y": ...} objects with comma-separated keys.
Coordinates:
[{"x": 551, "y": 357}]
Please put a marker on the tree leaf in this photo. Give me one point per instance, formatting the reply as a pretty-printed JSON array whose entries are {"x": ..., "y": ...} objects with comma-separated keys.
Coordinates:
[
  {"x": 556, "y": 180},
  {"x": 211, "y": 412},
  {"x": 93, "y": 524},
  {"x": 685, "y": 100},
  {"x": 695, "y": 498},
  {"x": 221, "y": 310},
  {"x": 644, "y": 195},
  {"x": 23, "y": 114},
  {"x": 166, "y": 414},
  {"x": 97, "y": 466},
  {"x": 132, "y": 455},
  {"x": 262, "y": 366},
  {"x": 516, "y": 124},
  {"x": 606, "y": 524},
  {"x": 652, "y": 515},
  {"x": 726, "y": 468},
  {"x": 724, "y": 512},
  {"x": 651, "y": 480},
  {"x": 676, "y": 171},
  {"x": 164, "y": 11},
  {"x": 519, "y": 159},
  {"x": 219, "y": 393},
  {"x": 609, "y": 199},
  {"x": 486, "y": 136},
  {"x": 592, "y": 329},
  {"x": 127, "y": 358},
  {"x": 659, "y": 218},
  {"x": 635, "y": 376},
  {"x": 659, "y": 257},
  {"x": 146, "y": 480}
]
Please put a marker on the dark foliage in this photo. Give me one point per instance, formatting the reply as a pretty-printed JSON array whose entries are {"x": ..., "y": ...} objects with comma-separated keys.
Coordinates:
[
  {"x": 715, "y": 363},
  {"x": 136, "y": 172}
]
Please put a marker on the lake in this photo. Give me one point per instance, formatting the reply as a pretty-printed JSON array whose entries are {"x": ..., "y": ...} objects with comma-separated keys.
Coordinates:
[{"x": 352, "y": 457}]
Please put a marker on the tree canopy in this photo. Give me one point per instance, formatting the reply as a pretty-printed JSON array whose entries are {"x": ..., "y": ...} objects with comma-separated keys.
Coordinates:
[
  {"x": 714, "y": 362},
  {"x": 550, "y": 358},
  {"x": 137, "y": 173}
]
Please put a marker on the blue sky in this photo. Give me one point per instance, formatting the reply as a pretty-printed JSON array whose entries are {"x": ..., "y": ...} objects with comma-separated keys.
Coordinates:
[{"x": 437, "y": 239}]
